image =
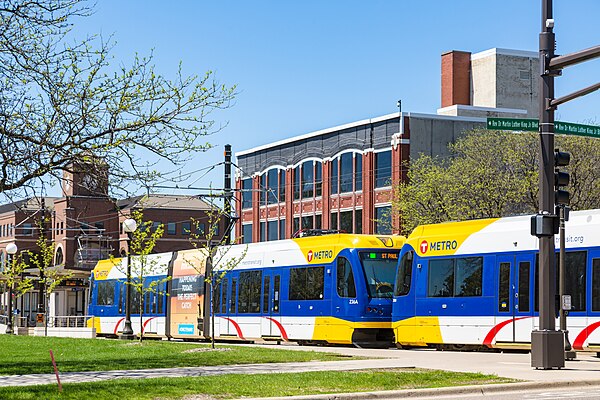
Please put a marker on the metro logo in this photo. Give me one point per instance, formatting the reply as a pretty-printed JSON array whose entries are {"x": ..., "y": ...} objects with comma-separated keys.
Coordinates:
[
  {"x": 442, "y": 245},
  {"x": 320, "y": 255}
]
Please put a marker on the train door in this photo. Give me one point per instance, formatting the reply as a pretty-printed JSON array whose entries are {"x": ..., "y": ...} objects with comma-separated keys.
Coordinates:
[
  {"x": 270, "y": 305},
  {"x": 514, "y": 302}
]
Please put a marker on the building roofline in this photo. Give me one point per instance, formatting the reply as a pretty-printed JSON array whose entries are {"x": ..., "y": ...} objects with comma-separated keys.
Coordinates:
[
  {"x": 505, "y": 52},
  {"x": 352, "y": 125},
  {"x": 479, "y": 108}
]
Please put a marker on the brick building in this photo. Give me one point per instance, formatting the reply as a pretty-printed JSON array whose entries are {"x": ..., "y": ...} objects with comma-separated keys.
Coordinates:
[
  {"x": 85, "y": 224},
  {"x": 342, "y": 177}
]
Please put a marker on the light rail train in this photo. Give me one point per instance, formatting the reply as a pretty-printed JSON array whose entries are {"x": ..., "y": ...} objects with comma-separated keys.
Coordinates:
[
  {"x": 473, "y": 284},
  {"x": 330, "y": 289}
]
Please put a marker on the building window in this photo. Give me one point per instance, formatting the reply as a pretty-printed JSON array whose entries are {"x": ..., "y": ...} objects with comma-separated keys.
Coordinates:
[
  {"x": 59, "y": 259},
  {"x": 357, "y": 172},
  {"x": 272, "y": 233},
  {"x": 307, "y": 222},
  {"x": 186, "y": 228},
  {"x": 272, "y": 186},
  {"x": 155, "y": 225},
  {"x": 282, "y": 229},
  {"x": 383, "y": 220},
  {"x": 334, "y": 176},
  {"x": 247, "y": 233},
  {"x": 383, "y": 169},
  {"x": 296, "y": 224},
  {"x": 346, "y": 173},
  {"x": 263, "y": 231},
  {"x": 297, "y": 183},
  {"x": 318, "y": 178},
  {"x": 334, "y": 221},
  {"x": 247, "y": 193},
  {"x": 171, "y": 228},
  {"x": 358, "y": 221},
  {"x": 27, "y": 230},
  {"x": 346, "y": 221},
  {"x": 307, "y": 179},
  {"x": 318, "y": 221},
  {"x": 282, "y": 185},
  {"x": 263, "y": 189},
  {"x": 201, "y": 229}
]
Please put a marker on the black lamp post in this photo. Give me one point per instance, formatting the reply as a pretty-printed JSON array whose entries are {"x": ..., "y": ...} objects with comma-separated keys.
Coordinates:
[
  {"x": 11, "y": 249},
  {"x": 129, "y": 226}
]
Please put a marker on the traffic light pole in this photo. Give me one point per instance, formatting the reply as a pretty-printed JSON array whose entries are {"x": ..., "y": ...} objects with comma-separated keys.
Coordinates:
[{"x": 547, "y": 346}]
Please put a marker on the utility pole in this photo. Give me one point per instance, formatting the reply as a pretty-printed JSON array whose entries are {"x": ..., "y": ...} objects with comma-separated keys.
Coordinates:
[
  {"x": 228, "y": 194},
  {"x": 547, "y": 344}
]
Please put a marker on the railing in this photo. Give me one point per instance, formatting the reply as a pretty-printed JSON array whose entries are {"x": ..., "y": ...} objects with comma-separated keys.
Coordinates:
[{"x": 68, "y": 321}]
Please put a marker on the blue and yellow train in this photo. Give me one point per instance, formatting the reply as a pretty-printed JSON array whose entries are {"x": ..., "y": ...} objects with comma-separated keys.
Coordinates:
[
  {"x": 474, "y": 284},
  {"x": 319, "y": 289}
]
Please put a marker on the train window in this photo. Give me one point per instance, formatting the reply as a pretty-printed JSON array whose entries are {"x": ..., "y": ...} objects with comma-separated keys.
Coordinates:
[
  {"x": 404, "y": 275},
  {"x": 345, "y": 278},
  {"x": 596, "y": 284},
  {"x": 121, "y": 297},
  {"x": 276, "y": 283},
  {"x": 249, "y": 292},
  {"x": 266, "y": 290},
  {"x": 232, "y": 300},
  {"x": 441, "y": 278},
  {"x": 504, "y": 287},
  {"x": 468, "y": 273},
  {"x": 106, "y": 293},
  {"x": 224, "y": 287},
  {"x": 307, "y": 283},
  {"x": 455, "y": 277},
  {"x": 161, "y": 297},
  {"x": 379, "y": 268},
  {"x": 524, "y": 284}
]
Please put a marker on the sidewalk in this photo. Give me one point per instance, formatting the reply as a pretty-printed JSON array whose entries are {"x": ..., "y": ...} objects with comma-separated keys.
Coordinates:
[{"x": 583, "y": 371}]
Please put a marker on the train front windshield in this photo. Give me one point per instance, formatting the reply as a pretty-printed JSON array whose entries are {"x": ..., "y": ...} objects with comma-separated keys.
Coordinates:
[{"x": 380, "y": 271}]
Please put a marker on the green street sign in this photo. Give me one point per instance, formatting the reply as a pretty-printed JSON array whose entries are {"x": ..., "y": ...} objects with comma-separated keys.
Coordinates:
[
  {"x": 520, "y": 124},
  {"x": 513, "y": 124}
]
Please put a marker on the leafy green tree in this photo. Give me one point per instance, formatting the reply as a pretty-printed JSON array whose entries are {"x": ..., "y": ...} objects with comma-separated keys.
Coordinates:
[
  {"x": 63, "y": 100},
  {"x": 14, "y": 279},
  {"x": 491, "y": 174}
]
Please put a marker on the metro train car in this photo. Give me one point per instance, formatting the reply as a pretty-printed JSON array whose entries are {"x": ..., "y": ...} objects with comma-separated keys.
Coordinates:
[
  {"x": 474, "y": 284},
  {"x": 330, "y": 289}
]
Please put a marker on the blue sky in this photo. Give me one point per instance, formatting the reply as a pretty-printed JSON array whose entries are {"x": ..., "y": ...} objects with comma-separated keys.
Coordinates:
[{"x": 302, "y": 66}]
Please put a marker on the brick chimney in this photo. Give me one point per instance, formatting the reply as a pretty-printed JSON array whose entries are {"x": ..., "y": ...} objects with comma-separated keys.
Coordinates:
[{"x": 456, "y": 80}]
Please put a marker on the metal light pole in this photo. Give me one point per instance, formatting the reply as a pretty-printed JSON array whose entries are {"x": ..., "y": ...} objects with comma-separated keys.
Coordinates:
[
  {"x": 129, "y": 226},
  {"x": 11, "y": 249},
  {"x": 547, "y": 344}
]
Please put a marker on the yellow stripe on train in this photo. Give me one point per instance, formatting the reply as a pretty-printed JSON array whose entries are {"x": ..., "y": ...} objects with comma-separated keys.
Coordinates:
[
  {"x": 336, "y": 330},
  {"x": 324, "y": 249},
  {"x": 418, "y": 331}
]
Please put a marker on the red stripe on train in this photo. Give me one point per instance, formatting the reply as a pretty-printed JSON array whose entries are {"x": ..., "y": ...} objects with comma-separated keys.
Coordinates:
[{"x": 494, "y": 331}]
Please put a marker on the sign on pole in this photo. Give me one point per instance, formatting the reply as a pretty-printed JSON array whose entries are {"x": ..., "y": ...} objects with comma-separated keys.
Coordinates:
[{"x": 521, "y": 124}]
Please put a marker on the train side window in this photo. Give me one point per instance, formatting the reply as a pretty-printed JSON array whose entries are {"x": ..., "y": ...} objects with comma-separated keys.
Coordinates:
[
  {"x": 345, "y": 278},
  {"x": 249, "y": 292},
  {"x": 524, "y": 284},
  {"x": 106, "y": 293},
  {"x": 404, "y": 275},
  {"x": 121, "y": 297},
  {"x": 266, "y": 289},
  {"x": 307, "y": 283},
  {"x": 468, "y": 274},
  {"x": 441, "y": 278},
  {"x": 224, "y": 284},
  {"x": 276, "y": 284},
  {"x": 596, "y": 284},
  {"x": 233, "y": 299},
  {"x": 217, "y": 293},
  {"x": 504, "y": 287}
]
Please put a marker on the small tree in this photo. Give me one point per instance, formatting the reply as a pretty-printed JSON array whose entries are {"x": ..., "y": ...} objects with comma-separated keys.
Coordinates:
[
  {"x": 13, "y": 275},
  {"x": 221, "y": 258},
  {"x": 141, "y": 246}
]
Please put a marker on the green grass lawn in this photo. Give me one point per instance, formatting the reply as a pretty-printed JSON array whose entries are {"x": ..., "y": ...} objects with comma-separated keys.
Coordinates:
[
  {"x": 260, "y": 385},
  {"x": 30, "y": 355}
]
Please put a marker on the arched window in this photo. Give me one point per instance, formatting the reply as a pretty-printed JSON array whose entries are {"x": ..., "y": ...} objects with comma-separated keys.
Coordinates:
[{"x": 59, "y": 258}]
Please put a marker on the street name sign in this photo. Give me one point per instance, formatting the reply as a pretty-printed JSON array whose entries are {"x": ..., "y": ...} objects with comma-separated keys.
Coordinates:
[{"x": 526, "y": 124}]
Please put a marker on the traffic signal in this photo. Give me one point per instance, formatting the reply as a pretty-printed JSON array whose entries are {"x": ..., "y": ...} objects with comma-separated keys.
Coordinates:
[{"x": 561, "y": 179}]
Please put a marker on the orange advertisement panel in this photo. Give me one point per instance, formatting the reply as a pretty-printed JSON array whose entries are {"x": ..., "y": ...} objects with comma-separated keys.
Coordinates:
[{"x": 187, "y": 293}]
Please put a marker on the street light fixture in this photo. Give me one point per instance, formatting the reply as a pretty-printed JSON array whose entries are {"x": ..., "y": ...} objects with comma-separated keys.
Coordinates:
[
  {"x": 11, "y": 249},
  {"x": 129, "y": 226}
]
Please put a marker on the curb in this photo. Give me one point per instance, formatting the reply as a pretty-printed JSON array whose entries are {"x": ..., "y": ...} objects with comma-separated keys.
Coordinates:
[{"x": 434, "y": 392}]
